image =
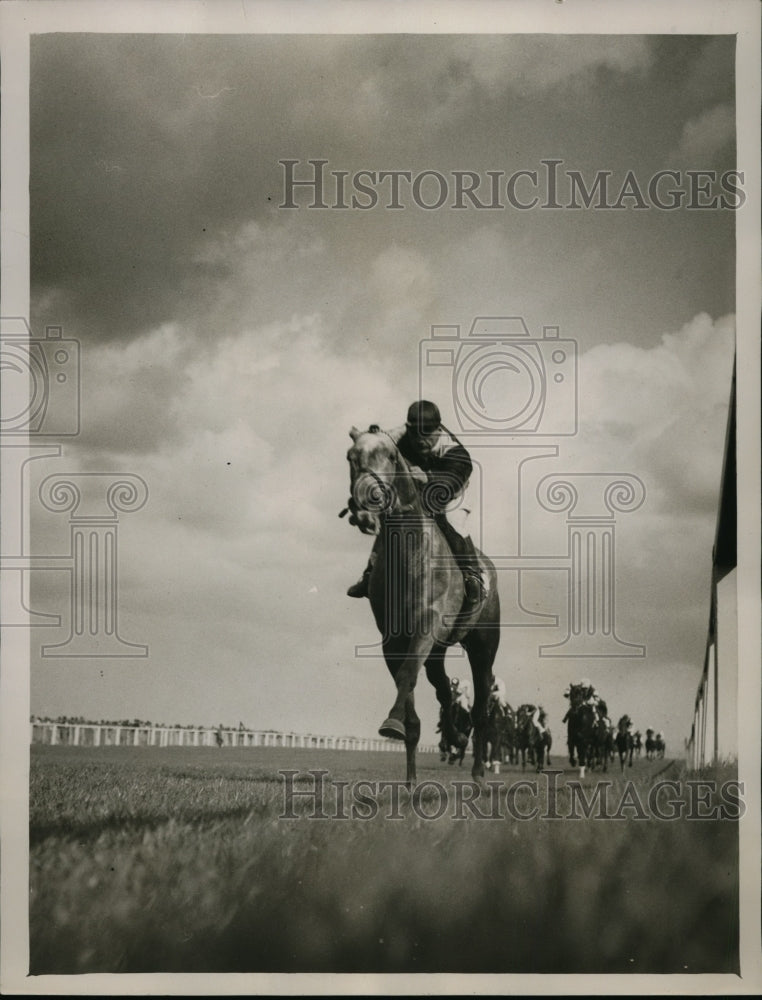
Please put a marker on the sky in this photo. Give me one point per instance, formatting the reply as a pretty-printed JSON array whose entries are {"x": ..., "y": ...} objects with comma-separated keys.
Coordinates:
[{"x": 228, "y": 344}]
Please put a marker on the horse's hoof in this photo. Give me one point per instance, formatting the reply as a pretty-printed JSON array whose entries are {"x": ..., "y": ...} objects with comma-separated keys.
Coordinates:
[{"x": 393, "y": 729}]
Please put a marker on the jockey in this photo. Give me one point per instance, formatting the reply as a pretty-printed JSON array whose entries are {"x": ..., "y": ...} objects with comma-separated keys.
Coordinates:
[
  {"x": 436, "y": 457},
  {"x": 589, "y": 694},
  {"x": 538, "y": 719},
  {"x": 462, "y": 695},
  {"x": 498, "y": 689}
]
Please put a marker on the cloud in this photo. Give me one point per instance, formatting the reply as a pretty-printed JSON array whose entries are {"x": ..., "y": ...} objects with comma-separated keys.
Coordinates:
[
  {"x": 139, "y": 417},
  {"x": 132, "y": 184},
  {"x": 708, "y": 133},
  {"x": 661, "y": 411},
  {"x": 538, "y": 62}
]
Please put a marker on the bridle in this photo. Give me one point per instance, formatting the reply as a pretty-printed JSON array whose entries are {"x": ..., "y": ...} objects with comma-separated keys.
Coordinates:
[{"x": 385, "y": 488}]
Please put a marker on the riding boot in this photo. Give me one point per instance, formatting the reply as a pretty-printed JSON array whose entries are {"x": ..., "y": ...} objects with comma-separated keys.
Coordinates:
[
  {"x": 474, "y": 585},
  {"x": 462, "y": 548}
]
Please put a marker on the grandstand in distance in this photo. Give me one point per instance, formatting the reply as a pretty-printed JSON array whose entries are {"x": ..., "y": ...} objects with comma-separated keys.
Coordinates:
[{"x": 81, "y": 733}]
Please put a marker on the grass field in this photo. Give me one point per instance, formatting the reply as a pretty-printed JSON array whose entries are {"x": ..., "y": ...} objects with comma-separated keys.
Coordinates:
[{"x": 179, "y": 860}]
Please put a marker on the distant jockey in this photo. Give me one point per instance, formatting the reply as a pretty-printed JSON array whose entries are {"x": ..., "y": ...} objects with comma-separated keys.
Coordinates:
[
  {"x": 539, "y": 718},
  {"x": 461, "y": 693},
  {"x": 498, "y": 689}
]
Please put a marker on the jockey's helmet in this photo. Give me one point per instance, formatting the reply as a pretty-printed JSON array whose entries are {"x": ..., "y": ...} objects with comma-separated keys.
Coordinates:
[{"x": 423, "y": 417}]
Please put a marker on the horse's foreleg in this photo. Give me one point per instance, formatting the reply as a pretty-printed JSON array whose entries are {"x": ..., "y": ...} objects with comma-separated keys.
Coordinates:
[
  {"x": 404, "y": 667},
  {"x": 412, "y": 736}
]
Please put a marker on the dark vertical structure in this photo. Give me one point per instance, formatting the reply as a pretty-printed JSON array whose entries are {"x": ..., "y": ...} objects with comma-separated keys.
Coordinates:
[{"x": 724, "y": 561}]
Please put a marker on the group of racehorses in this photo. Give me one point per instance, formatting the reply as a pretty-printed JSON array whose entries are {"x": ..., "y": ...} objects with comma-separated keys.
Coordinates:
[
  {"x": 522, "y": 735},
  {"x": 512, "y": 735},
  {"x": 593, "y": 740}
]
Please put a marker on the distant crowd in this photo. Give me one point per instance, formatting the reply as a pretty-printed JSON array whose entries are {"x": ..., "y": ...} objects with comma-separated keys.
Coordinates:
[{"x": 79, "y": 720}]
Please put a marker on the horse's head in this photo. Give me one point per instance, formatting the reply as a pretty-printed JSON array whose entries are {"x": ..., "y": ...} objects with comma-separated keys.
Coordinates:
[
  {"x": 577, "y": 694},
  {"x": 494, "y": 704},
  {"x": 372, "y": 472}
]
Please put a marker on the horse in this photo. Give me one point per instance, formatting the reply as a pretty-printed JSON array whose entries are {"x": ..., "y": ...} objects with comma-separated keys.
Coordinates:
[
  {"x": 460, "y": 719},
  {"x": 581, "y": 729},
  {"x": 603, "y": 736},
  {"x": 650, "y": 744},
  {"x": 493, "y": 746},
  {"x": 509, "y": 735},
  {"x": 661, "y": 747},
  {"x": 603, "y": 743},
  {"x": 625, "y": 743},
  {"x": 638, "y": 742},
  {"x": 543, "y": 741},
  {"x": 416, "y": 593},
  {"x": 530, "y": 740},
  {"x": 523, "y": 722}
]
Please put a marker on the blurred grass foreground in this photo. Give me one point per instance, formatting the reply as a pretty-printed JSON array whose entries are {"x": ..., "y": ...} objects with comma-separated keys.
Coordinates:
[{"x": 180, "y": 860}]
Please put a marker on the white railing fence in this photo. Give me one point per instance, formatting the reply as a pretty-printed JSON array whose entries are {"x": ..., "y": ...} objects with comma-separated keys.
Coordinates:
[{"x": 89, "y": 734}]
